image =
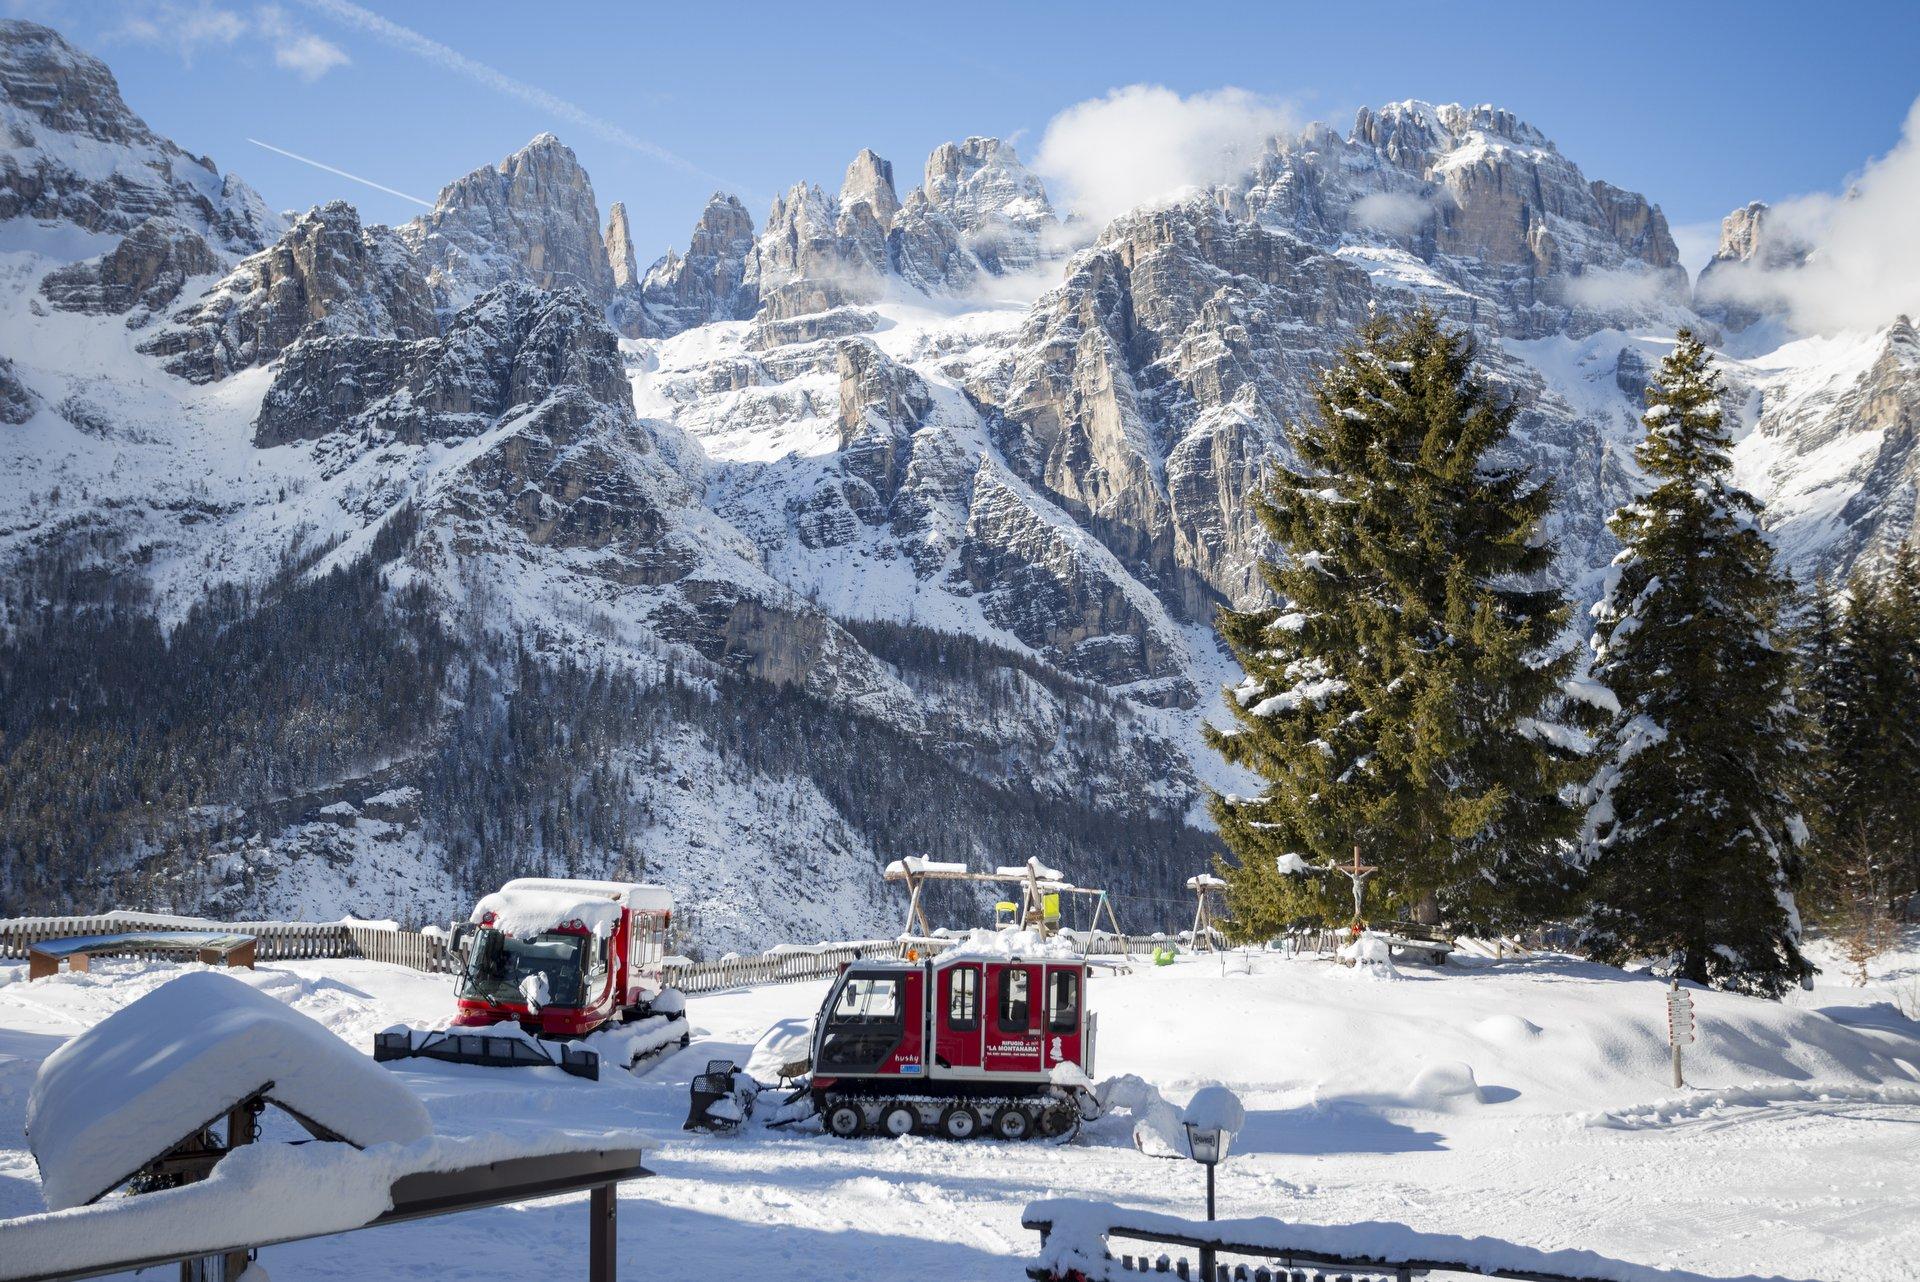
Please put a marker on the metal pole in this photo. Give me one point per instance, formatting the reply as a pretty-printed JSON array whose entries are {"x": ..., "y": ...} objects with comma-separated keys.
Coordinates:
[
  {"x": 602, "y": 1233},
  {"x": 1673, "y": 1036},
  {"x": 1207, "y": 1264}
]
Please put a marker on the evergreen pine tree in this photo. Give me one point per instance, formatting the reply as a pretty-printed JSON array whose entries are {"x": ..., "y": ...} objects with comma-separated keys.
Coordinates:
[
  {"x": 1863, "y": 693},
  {"x": 1395, "y": 699},
  {"x": 1694, "y": 833}
]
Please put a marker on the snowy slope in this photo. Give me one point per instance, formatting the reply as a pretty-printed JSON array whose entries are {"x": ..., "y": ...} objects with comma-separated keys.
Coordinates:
[{"x": 1525, "y": 1100}]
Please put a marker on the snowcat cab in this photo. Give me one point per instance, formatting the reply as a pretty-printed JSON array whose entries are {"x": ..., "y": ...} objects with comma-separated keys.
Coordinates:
[
  {"x": 554, "y": 960},
  {"x": 965, "y": 1043}
]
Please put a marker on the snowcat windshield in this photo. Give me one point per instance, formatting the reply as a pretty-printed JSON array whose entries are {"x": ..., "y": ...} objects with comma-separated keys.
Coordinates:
[{"x": 498, "y": 965}]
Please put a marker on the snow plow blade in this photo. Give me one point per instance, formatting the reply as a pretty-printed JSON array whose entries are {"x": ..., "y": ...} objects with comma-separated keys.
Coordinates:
[{"x": 488, "y": 1049}]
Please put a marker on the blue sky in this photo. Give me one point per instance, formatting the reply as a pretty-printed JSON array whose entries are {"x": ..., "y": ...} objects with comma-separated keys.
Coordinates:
[{"x": 1700, "y": 106}]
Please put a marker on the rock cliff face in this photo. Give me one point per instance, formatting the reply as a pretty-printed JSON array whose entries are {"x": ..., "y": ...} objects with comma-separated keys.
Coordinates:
[
  {"x": 72, "y": 151},
  {"x": 530, "y": 218},
  {"x": 17, "y": 403},
  {"x": 139, "y": 278},
  {"x": 1476, "y": 208},
  {"x": 1148, "y": 392},
  {"x": 328, "y": 274}
]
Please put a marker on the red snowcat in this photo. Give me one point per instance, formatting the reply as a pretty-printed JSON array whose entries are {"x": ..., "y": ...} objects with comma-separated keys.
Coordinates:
[
  {"x": 544, "y": 963},
  {"x": 977, "y": 1041}
]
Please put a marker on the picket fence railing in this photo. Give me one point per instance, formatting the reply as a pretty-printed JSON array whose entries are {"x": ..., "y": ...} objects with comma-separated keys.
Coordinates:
[
  {"x": 295, "y": 940},
  {"x": 276, "y": 940}
]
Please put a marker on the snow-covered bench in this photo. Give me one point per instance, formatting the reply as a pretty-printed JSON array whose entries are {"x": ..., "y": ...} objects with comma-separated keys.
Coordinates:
[{"x": 209, "y": 947}]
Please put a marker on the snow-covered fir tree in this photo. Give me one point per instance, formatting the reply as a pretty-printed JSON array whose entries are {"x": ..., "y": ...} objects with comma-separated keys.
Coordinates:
[
  {"x": 1396, "y": 697},
  {"x": 1861, "y": 690},
  {"x": 1693, "y": 835}
]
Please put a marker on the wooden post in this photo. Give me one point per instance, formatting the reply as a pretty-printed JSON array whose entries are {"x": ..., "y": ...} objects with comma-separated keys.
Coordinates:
[
  {"x": 602, "y": 1234},
  {"x": 243, "y": 1127}
]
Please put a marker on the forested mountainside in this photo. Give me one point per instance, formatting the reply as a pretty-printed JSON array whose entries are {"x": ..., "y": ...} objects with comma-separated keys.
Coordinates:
[{"x": 350, "y": 568}]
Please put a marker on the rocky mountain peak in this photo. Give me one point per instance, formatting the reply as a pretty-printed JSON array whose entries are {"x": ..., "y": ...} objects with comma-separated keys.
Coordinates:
[
  {"x": 75, "y": 152},
  {"x": 1478, "y": 198},
  {"x": 60, "y": 87},
  {"x": 1751, "y": 241},
  {"x": 531, "y": 217},
  {"x": 620, "y": 247},
  {"x": 707, "y": 284},
  {"x": 869, "y": 181}
]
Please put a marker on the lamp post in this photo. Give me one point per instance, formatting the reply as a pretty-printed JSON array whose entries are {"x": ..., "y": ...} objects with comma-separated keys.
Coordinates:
[
  {"x": 1207, "y": 1145},
  {"x": 1212, "y": 1116}
]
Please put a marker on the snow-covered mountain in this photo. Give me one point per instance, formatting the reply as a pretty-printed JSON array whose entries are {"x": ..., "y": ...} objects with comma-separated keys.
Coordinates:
[{"x": 891, "y": 524}]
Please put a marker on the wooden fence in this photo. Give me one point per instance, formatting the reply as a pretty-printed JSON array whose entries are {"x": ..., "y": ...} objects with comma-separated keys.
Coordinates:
[
  {"x": 276, "y": 940},
  {"x": 294, "y": 941}
]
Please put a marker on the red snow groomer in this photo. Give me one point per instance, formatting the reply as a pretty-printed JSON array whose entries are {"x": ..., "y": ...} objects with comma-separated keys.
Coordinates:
[
  {"x": 969, "y": 1043},
  {"x": 544, "y": 963}
]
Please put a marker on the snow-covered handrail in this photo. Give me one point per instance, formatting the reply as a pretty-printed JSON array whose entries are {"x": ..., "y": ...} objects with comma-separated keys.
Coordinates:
[{"x": 1075, "y": 1236}]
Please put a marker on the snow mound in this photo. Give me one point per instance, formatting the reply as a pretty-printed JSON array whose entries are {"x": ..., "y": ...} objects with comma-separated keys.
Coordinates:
[
  {"x": 1444, "y": 1085},
  {"x": 1157, "y": 1129},
  {"x": 145, "y": 1077},
  {"x": 1215, "y": 1108},
  {"x": 1507, "y": 1030}
]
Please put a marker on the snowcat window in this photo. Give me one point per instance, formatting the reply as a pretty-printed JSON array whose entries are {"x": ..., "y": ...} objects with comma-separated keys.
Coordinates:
[
  {"x": 1015, "y": 1005},
  {"x": 963, "y": 998},
  {"x": 497, "y": 964},
  {"x": 1063, "y": 1001},
  {"x": 868, "y": 1001},
  {"x": 866, "y": 1023}
]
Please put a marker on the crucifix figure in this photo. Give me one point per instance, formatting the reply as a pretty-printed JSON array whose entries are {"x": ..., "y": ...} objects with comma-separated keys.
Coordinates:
[{"x": 1356, "y": 872}]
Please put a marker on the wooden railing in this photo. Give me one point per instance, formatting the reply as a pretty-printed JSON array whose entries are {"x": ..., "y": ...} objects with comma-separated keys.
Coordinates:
[
  {"x": 1092, "y": 1242},
  {"x": 275, "y": 940},
  {"x": 295, "y": 941}
]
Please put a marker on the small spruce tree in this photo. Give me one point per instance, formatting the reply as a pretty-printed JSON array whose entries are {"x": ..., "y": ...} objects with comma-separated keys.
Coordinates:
[
  {"x": 1396, "y": 698},
  {"x": 1693, "y": 832}
]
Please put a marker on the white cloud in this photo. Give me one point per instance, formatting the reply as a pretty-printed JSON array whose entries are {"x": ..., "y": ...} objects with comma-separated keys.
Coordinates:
[
  {"x": 1626, "y": 290},
  {"x": 1393, "y": 212},
  {"x": 296, "y": 49},
  {"x": 1144, "y": 143},
  {"x": 1861, "y": 266},
  {"x": 186, "y": 28},
  {"x": 1697, "y": 243},
  {"x": 190, "y": 28}
]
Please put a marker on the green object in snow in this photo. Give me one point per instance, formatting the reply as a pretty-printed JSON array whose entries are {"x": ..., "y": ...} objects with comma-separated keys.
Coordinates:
[{"x": 1163, "y": 956}]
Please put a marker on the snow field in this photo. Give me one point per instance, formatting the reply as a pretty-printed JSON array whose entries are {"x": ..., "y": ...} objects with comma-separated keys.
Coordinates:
[{"x": 1524, "y": 1099}]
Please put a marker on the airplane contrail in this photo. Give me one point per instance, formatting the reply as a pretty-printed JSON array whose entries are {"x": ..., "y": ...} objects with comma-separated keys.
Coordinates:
[
  {"x": 364, "y": 182},
  {"x": 411, "y": 41}
]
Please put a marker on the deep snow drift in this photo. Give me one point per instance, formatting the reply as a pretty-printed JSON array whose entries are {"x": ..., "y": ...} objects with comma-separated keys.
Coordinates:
[{"x": 1524, "y": 1099}]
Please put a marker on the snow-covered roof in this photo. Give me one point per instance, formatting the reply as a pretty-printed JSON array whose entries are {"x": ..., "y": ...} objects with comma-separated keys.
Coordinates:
[
  {"x": 920, "y": 867},
  {"x": 634, "y": 894},
  {"x": 1206, "y": 880},
  {"x": 1007, "y": 945},
  {"x": 531, "y": 905},
  {"x": 153, "y": 1072},
  {"x": 1034, "y": 866}
]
